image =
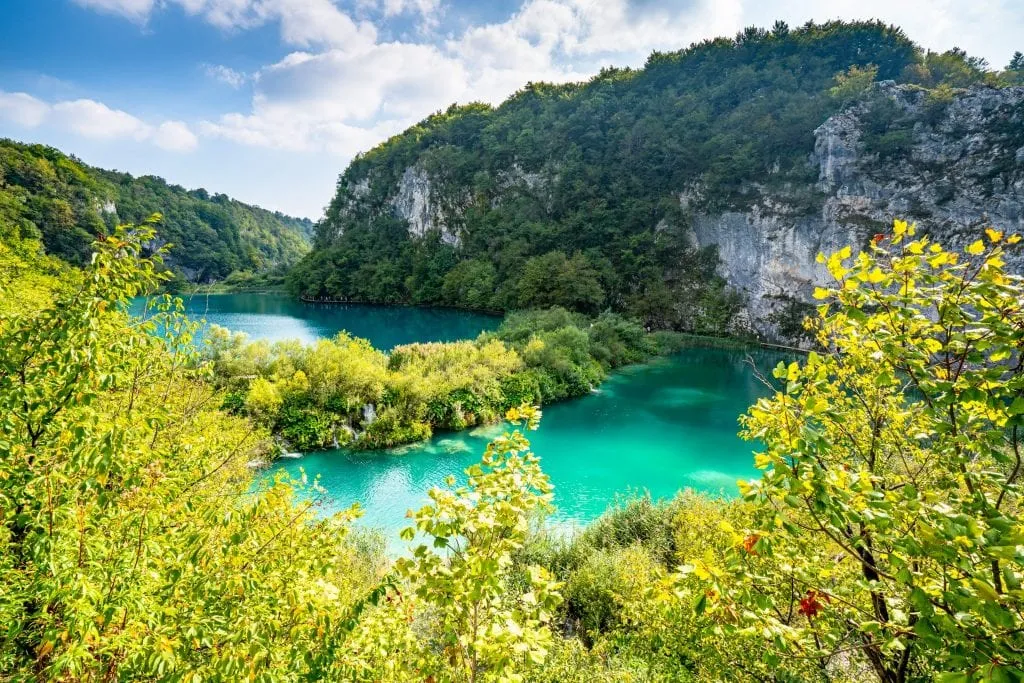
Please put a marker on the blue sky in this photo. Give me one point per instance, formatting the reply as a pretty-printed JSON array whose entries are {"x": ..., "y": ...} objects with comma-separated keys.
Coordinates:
[{"x": 268, "y": 100}]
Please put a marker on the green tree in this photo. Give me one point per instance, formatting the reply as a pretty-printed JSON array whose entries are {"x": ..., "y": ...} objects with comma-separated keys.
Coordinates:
[
  {"x": 851, "y": 84},
  {"x": 488, "y": 630},
  {"x": 67, "y": 203},
  {"x": 1014, "y": 74},
  {"x": 470, "y": 283},
  {"x": 133, "y": 545},
  {"x": 555, "y": 280},
  {"x": 887, "y": 532}
]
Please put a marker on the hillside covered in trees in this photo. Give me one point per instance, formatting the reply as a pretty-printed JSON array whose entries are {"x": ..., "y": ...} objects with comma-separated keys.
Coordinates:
[
  {"x": 583, "y": 195},
  {"x": 48, "y": 195}
]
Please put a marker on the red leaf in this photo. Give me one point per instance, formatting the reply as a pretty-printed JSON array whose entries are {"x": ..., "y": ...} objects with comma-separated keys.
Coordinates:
[
  {"x": 812, "y": 603},
  {"x": 749, "y": 542}
]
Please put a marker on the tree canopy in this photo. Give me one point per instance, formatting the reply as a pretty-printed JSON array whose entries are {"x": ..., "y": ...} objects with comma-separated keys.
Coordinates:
[{"x": 47, "y": 195}]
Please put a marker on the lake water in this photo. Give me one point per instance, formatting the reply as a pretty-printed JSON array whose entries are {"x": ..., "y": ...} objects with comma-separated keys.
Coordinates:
[
  {"x": 654, "y": 428},
  {"x": 276, "y": 317}
]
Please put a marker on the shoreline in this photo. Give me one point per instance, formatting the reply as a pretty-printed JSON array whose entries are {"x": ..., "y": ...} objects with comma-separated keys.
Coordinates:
[
  {"x": 593, "y": 390},
  {"x": 724, "y": 342}
]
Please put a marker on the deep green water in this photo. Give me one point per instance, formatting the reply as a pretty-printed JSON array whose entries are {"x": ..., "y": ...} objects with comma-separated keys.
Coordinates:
[
  {"x": 276, "y": 317},
  {"x": 658, "y": 428}
]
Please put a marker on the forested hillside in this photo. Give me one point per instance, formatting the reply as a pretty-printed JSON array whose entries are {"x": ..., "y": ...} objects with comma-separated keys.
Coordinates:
[
  {"x": 584, "y": 195},
  {"x": 51, "y": 196}
]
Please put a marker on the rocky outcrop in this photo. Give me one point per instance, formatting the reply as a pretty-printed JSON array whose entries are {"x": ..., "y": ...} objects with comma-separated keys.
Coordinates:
[
  {"x": 416, "y": 203},
  {"x": 953, "y": 166},
  {"x": 425, "y": 207}
]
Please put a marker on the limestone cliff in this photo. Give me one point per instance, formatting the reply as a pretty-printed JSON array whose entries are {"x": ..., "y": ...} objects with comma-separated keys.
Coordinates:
[{"x": 953, "y": 166}]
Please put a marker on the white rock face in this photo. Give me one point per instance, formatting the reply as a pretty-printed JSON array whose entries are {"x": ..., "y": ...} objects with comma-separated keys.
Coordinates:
[
  {"x": 413, "y": 203},
  {"x": 957, "y": 178},
  {"x": 771, "y": 258},
  {"x": 361, "y": 189}
]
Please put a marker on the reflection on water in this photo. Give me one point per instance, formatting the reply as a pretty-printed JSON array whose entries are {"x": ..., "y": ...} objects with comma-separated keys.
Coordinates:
[{"x": 276, "y": 317}]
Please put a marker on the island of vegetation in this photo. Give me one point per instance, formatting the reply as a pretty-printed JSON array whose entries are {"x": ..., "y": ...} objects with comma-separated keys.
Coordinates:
[{"x": 343, "y": 392}]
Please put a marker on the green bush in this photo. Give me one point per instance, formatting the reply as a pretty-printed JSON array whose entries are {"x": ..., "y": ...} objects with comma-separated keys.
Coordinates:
[
  {"x": 389, "y": 430},
  {"x": 305, "y": 428}
]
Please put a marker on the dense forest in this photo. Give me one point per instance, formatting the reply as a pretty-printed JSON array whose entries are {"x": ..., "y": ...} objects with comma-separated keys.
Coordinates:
[
  {"x": 48, "y": 195},
  {"x": 570, "y": 194}
]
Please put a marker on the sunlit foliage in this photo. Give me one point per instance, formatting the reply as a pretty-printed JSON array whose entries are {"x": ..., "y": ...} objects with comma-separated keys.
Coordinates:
[
  {"x": 886, "y": 537},
  {"x": 133, "y": 545},
  {"x": 136, "y": 543},
  {"x": 342, "y": 391}
]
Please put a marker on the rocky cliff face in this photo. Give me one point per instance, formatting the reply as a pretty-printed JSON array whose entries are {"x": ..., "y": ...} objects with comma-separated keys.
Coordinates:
[
  {"x": 425, "y": 208},
  {"x": 954, "y": 167},
  {"x": 952, "y": 162},
  {"x": 416, "y": 203}
]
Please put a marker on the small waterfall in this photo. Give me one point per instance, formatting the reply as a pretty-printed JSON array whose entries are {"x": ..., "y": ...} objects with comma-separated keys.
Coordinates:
[{"x": 369, "y": 413}]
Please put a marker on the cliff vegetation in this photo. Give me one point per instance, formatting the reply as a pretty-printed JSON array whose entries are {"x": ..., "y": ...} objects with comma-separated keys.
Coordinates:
[{"x": 605, "y": 194}]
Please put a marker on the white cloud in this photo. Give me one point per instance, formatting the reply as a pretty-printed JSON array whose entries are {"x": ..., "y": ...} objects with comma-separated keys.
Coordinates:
[
  {"x": 346, "y": 100},
  {"x": 136, "y": 10},
  {"x": 23, "y": 109},
  {"x": 425, "y": 8},
  {"x": 225, "y": 74},
  {"x": 174, "y": 136},
  {"x": 303, "y": 23},
  {"x": 343, "y": 102},
  {"x": 317, "y": 22},
  {"x": 93, "y": 120}
]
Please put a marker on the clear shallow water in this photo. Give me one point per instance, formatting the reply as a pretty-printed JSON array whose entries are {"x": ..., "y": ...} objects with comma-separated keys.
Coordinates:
[
  {"x": 660, "y": 427},
  {"x": 277, "y": 317}
]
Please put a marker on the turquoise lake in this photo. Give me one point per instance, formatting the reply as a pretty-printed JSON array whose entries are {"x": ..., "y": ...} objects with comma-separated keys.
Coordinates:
[
  {"x": 276, "y": 317},
  {"x": 658, "y": 428}
]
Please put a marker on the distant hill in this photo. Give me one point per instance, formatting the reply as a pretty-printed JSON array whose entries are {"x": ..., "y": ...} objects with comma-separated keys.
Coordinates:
[
  {"x": 611, "y": 193},
  {"x": 48, "y": 195}
]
